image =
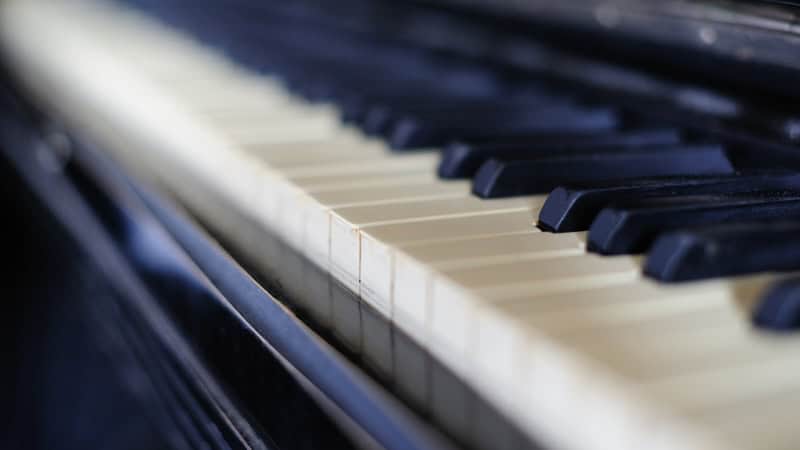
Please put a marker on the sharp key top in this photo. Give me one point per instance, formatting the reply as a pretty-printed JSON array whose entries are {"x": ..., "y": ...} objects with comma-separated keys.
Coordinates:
[
  {"x": 573, "y": 208},
  {"x": 501, "y": 178},
  {"x": 463, "y": 159},
  {"x": 412, "y": 132},
  {"x": 779, "y": 308},
  {"x": 725, "y": 250},
  {"x": 632, "y": 228}
]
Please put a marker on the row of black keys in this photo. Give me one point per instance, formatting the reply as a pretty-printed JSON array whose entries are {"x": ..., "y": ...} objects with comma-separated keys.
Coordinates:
[{"x": 635, "y": 185}]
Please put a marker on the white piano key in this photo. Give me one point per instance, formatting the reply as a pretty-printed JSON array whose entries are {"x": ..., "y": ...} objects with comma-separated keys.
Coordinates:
[
  {"x": 681, "y": 351},
  {"x": 451, "y": 401},
  {"x": 295, "y": 154},
  {"x": 768, "y": 424},
  {"x": 415, "y": 265},
  {"x": 412, "y": 371},
  {"x": 411, "y": 176},
  {"x": 549, "y": 312},
  {"x": 390, "y": 165},
  {"x": 289, "y": 130},
  {"x": 454, "y": 295},
  {"x": 319, "y": 304},
  {"x": 376, "y": 242},
  {"x": 347, "y": 223},
  {"x": 728, "y": 387},
  {"x": 295, "y": 205},
  {"x": 346, "y": 317},
  {"x": 376, "y": 194},
  {"x": 377, "y": 346},
  {"x": 344, "y": 253},
  {"x": 317, "y": 229},
  {"x": 557, "y": 391}
]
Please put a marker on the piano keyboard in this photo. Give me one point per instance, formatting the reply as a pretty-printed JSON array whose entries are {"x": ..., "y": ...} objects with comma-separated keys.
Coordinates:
[{"x": 579, "y": 349}]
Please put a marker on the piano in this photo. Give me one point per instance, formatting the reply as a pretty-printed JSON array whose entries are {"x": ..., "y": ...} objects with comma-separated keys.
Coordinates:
[{"x": 406, "y": 225}]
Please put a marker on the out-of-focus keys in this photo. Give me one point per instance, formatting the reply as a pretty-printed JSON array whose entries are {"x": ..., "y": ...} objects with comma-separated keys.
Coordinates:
[
  {"x": 779, "y": 309},
  {"x": 412, "y": 132},
  {"x": 725, "y": 250},
  {"x": 382, "y": 116},
  {"x": 463, "y": 159}
]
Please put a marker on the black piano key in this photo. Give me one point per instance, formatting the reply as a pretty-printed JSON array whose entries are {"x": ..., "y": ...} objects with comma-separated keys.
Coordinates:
[
  {"x": 503, "y": 178},
  {"x": 725, "y": 250},
  {"x": 779, "y": 309},
  {"x": 574, "y": 208},
  {"x": 411, "y": 133},
  {"x": 462, "y": 160},
  {"x": 632, "y": 228},
  {"x": 383, "y": 113},
  {"x": 380, "y": 117}
]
